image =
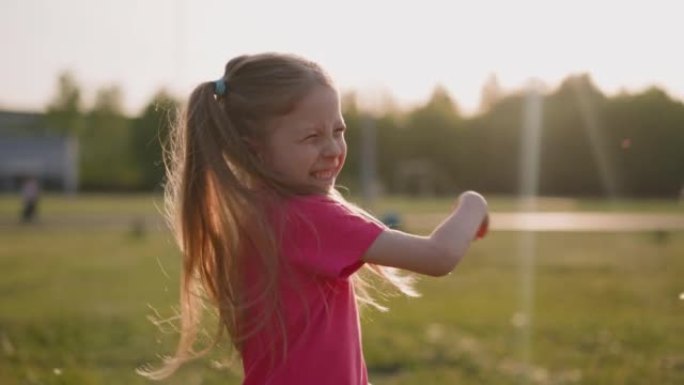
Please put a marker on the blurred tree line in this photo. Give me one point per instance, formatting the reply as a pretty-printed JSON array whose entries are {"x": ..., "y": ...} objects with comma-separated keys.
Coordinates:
[
  {"x": 628, "y": 145},
  {"x": 116, "y": 152}
]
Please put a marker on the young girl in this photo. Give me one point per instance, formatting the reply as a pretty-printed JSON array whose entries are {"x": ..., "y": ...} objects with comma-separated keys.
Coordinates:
[{"x": 267, "y": 240}]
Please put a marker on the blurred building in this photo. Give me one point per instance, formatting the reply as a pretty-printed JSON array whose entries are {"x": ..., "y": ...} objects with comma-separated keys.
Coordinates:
[{"x": 29, "y": 149}]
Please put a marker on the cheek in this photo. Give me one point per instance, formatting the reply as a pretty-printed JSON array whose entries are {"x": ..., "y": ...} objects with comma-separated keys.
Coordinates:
[
  {"x": 343, "y": 155},
  {"x": 276, "y": 160},
  {"x": 344, "y": 147}
]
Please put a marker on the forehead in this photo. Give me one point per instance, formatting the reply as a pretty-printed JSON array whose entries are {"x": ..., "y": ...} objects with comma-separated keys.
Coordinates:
[{"x": 319, "y": 107}]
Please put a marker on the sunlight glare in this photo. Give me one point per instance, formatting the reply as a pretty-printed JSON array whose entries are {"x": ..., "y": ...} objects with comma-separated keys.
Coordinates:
[{"x": 529, "y": 189}]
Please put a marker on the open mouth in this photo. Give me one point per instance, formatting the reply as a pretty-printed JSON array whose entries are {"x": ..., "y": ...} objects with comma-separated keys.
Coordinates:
[{"x": 323, "y": 174}]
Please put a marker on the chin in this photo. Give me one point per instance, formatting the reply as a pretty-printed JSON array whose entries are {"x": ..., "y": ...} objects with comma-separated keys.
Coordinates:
[{"x": 324, "y": 187}]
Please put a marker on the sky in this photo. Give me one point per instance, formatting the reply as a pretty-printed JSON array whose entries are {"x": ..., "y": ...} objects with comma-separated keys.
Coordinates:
[{"x": 376, "y": 47}]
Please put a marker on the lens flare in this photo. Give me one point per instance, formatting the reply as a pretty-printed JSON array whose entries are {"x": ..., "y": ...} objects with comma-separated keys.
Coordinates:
[
  {"x": 529, "y": 188},
  {"x": 595, "y": 132}
]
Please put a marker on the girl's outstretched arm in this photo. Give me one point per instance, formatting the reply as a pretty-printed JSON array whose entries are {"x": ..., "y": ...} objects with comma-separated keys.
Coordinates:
[{"x": 438, "y": 253}]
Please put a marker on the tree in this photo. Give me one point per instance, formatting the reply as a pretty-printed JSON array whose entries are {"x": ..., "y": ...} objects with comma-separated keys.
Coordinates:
[
  {"x": 574, "y": 157},
  {"x": 106, "y": 160},
  {"x": 430, "y": 141},
  {"x": 647, "y": 132},
  {"x": 65, "y": 111},
  {"x": 149, "y": 136},
  {"x": 491, "y": 93}
]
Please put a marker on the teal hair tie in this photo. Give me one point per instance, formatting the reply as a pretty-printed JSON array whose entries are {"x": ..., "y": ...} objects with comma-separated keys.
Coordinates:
[{"x": 220, "y": 87}]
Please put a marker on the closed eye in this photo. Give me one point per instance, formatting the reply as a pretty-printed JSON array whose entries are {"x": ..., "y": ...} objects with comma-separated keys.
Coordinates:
[
  {"x": 310, "y": 137},
  {"x": 340, "y": 130}
]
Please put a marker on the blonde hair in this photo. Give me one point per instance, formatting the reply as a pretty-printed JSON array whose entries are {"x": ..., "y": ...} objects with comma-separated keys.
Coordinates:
[{"x": 218, "y": 196}]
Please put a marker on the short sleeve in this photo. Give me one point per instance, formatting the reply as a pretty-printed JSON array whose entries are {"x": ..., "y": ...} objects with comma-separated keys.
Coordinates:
[{"x": 325, "y": 237}]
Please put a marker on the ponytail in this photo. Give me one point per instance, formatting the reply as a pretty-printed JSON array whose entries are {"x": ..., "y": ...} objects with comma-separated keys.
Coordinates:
[{"x": 216, "y": 217}]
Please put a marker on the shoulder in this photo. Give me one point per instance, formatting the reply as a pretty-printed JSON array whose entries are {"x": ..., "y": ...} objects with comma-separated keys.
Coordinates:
[
  {"x": 327, "y": 209},
  {"x": 327, "y": 235},
  {"x": 312, "y": 200},
  {"x": 304, "y": 203},
  {"x": 328, "y": 215}
]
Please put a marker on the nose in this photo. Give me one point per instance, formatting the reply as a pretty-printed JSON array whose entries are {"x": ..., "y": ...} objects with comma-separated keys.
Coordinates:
[{"x": 333, "y": 148}]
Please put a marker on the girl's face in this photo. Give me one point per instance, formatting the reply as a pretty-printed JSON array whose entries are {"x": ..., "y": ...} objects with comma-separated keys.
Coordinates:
[{"x": 307, "y": 146}]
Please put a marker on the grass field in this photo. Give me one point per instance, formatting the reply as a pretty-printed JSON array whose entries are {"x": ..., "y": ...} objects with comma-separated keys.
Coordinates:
[
  {"x": 607, "y": 306},
  {"x": 146, "y": 204}
]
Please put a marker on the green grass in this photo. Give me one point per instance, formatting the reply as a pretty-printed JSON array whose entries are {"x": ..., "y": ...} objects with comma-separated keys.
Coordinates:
[
  {"x": 152, "y": 205},
  {"x": 73, "y": 308},
  {"x": 606, "y": 311},
  {"x": 99, "y": 204}
]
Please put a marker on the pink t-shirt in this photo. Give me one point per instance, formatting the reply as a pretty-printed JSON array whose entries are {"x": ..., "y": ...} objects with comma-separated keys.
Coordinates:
[{"x": 322, "y": 245}]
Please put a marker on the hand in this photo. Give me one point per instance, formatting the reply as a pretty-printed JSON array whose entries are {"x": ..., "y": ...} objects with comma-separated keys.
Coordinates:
[
  {"x": 483, "y": 229},
  {"x": 473, "y": 198}
]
